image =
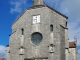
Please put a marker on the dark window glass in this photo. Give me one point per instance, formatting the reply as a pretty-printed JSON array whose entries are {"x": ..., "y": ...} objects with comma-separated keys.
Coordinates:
[
  {"x": 22, "y": 31},
  {"x": 66, "y": 24},
  {"x": 51, "y": 28},
  {"x": 36, "y": 38}
]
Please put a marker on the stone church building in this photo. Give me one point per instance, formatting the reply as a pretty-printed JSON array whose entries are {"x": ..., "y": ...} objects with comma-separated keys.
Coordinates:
[{"x": 40, "y": 33}]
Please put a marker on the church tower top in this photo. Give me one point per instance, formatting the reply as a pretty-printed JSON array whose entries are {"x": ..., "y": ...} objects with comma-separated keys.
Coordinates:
[{"x": 38, "y": 2}]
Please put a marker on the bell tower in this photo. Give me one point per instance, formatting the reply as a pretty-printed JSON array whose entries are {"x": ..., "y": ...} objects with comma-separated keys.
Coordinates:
[{"x": 38, "y": 2}]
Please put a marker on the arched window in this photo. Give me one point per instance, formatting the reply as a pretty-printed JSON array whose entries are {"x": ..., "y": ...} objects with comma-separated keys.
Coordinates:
[
  {"x": 51, "y": 28},
  {"x": 36, "y": 38},
  {"x": 22, "y": 31}
]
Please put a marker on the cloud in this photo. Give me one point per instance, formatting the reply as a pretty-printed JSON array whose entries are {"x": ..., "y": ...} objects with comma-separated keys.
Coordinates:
[
  {"x": 17, "y": 5},
  {"x": 2, "y": 51},
  {"x": 52, "y": 2},
  {"x": 73, "y": 8}
]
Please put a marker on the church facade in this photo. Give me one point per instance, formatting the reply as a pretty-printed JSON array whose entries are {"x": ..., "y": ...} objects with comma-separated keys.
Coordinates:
[{"x": 40, "y": 33}]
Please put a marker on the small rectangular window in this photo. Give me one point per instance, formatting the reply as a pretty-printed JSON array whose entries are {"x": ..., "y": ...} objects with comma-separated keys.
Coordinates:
[
  {"x": 51, "y": 28},
  {"x": 36, "y": 19},
  {"x": 22, "y": 31}
]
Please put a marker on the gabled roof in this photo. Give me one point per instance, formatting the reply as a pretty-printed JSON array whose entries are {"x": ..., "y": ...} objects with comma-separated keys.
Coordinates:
[
  {"x": 39, "y": 6},
  {"x": 1, "y": 58},
  {"x": 72, "y": 45}
]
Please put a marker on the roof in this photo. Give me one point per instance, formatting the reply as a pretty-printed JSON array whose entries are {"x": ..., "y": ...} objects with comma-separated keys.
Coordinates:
[
  {"x": 39, "y": 6},
  {"x": 1, "y": 58},
  {"x": 72, "y": 45}
]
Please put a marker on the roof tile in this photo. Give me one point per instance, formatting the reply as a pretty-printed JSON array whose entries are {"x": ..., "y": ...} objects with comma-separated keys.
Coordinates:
[
  {"x": 1, "y": 58},
  {"x": 72, "y": 45}
]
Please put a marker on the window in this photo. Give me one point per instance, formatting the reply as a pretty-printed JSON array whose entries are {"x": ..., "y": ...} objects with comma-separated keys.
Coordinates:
[
  {"x": 22, "y": 31},
  {"x": 51, "y": 28},
  {"x": 66, "y": 24},
  {"x": 36, "y": 19},
  {"x": 36, "y": 38}
]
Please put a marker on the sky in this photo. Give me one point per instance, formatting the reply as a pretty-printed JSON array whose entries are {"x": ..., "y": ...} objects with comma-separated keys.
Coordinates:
[{"x": 11, "y": 9}]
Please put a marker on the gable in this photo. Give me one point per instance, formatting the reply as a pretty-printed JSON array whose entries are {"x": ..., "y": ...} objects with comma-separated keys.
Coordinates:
[{"x": 39, "y": 6}]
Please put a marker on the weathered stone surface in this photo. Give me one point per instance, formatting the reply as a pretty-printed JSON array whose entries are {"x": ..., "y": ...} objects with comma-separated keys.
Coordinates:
[{"x": 38, "y": 2}]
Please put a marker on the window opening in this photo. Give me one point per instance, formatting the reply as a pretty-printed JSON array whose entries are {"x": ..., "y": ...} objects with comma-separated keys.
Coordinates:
[
  {"x": 22, "y": 31},
  {"x": 36, "y": 38},
  {"x": 51, "y": 28}
]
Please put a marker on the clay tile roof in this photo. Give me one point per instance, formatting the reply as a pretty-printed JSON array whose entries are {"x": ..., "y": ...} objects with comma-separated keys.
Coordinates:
[
  {"x": 72, "y": 45},
  {"x": 1, "y": 58}
]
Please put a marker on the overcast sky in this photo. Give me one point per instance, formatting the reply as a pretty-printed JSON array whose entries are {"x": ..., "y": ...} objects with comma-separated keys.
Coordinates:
[{"x": 11, "y": 9}]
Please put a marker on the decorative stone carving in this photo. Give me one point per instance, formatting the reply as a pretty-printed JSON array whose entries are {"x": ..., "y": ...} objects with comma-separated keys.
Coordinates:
[{"x": 51, "y": 48}]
